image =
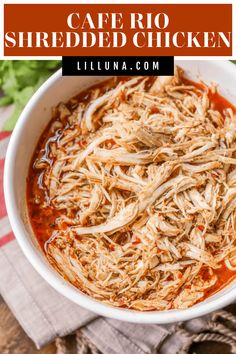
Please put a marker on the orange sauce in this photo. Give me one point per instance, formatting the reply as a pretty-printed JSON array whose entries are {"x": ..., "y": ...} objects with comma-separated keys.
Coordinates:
[
  {"x": 219, "y": 102},
  {"x": 44, "y": 220},
  {"x": 224, "y": 277}
]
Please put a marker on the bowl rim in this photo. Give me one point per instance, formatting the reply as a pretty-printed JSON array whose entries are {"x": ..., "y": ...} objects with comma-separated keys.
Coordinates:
[{"x": 56, "y": 281}]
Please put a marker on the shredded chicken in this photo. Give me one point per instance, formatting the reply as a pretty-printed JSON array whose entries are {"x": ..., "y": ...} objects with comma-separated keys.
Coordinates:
[{"x": 144, "y": 183}]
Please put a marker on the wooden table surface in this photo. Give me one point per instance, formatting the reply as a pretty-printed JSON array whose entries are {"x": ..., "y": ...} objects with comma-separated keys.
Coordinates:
[{"x": 13, "y": 339}]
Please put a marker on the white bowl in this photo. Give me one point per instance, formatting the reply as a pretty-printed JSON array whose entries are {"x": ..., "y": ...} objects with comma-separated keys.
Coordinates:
[{"x": 30, "y": 125}]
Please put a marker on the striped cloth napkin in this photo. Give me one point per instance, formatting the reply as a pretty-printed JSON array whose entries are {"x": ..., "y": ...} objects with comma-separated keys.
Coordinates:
[{"x": 46, "y": 315}]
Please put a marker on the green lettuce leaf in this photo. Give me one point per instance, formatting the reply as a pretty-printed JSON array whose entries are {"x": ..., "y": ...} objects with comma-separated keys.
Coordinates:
[{"x": 19, "y": 79}]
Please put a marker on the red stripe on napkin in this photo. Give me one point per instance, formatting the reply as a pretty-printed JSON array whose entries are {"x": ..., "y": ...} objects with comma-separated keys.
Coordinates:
[
  {"x": 6, "y": 239},
  {"x": 3, "y": 211},
  {"x": 4, "y": 135}
]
